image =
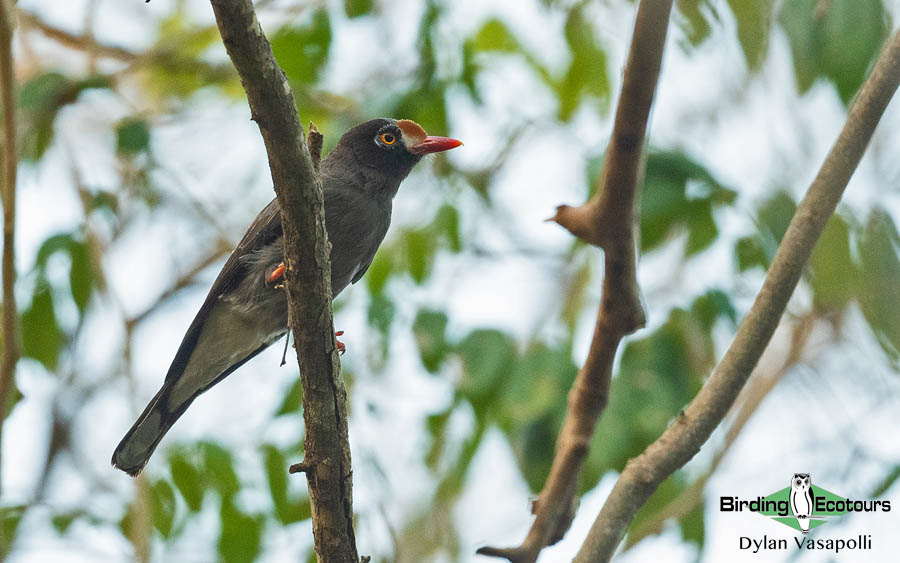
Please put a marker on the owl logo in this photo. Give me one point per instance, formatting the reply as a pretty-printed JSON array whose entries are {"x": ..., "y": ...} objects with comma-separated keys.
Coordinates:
[{"x": 802, "y": 500}]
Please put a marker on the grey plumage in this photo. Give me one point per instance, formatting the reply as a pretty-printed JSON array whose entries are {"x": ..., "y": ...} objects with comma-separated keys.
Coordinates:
[{"x": 242, "y": 314}]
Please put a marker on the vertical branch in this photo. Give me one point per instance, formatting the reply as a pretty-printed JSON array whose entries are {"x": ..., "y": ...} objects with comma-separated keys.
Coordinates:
[
  {"x": 683, "y": 439},
  {"x": 308, "y": 278},
  {"x": 8, "y": 189},
  {"x": 608, "y": 221}
]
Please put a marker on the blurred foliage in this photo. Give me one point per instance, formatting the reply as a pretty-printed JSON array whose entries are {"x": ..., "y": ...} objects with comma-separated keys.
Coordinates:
[{"x": 516, "y": 385}]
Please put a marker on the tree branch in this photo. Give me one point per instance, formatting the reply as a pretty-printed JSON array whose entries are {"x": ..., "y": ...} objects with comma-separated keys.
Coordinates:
[
  {"x": 683, "y": 439},
  {"x": 308, "y": 277},
  {"x": 73, "y": 41},
  {"x": 760, "y": 385},
  {"x": 8, "y": 191},
  {"x": 608, "y": 220}
]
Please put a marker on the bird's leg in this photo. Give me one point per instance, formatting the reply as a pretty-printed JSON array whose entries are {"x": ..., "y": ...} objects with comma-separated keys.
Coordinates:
[{"x": 276, "y": 275}]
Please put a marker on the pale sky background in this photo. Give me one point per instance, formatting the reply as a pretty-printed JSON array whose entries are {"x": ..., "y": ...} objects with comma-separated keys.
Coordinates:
[{"x": 814, "y": 423}]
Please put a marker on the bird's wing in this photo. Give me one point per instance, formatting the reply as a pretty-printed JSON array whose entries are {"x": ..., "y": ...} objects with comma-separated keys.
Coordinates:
[
  {"x": 263, "y": 231},
  {"x": 362, "y": 270}
]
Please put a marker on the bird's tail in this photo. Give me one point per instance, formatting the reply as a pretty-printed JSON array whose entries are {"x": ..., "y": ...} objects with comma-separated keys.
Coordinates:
[{"x": 137, "y": 446}]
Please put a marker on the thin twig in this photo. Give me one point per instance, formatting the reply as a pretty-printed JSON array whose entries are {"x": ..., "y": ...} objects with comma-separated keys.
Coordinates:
[
  {"x": 683, "y": 439},
  {"x": 221, "y": 249},
  {"x": 608, "y": 220},
  {"x": 10, "y": 314},
  {"x": 84, "y": 42},
  {"x": 299, "y": 191},
  {"x": 314, "y": 140}
]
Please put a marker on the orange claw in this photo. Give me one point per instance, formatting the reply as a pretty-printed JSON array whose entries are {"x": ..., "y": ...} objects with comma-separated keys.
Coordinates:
[
  {"x": 341, "y": 347},
  {"x": 276, "y": 274}
]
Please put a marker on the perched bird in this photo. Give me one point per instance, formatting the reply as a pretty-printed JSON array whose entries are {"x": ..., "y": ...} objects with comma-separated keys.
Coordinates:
[{"x": 246, "y": 308}]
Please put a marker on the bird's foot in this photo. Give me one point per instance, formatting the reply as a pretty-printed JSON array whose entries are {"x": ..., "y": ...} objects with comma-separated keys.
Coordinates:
[{"x": 277, "y": 274}]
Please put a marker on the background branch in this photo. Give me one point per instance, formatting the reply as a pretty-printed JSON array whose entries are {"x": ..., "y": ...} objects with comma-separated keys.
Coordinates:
[
  {"x": 308, "y": 276},
  {"x": 608, "y": 220},
  {"x": 683, "y": 439},
  {"x": 10, "y": 314}
]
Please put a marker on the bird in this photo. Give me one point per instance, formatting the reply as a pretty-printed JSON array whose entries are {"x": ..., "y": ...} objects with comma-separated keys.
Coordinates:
[
  {"x": 245, "y": 310},
  {"x": 801, "y": 500}
]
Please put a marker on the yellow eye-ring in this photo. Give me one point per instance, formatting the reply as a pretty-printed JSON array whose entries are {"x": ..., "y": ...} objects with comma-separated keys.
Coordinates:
[{"x": 388, "y": 138}]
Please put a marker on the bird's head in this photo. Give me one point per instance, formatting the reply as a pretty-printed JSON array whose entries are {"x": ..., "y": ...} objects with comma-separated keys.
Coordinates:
[{"x": 384, "y": 150}]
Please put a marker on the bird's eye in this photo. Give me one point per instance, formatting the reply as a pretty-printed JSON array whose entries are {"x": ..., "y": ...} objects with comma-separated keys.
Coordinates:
[{"x": 388, "y": 138}]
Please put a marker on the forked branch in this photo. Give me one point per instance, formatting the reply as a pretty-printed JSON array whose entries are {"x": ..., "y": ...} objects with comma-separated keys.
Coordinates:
[
  {"x": 683, "y": 439},
  {"x": 608, "y": 221}
]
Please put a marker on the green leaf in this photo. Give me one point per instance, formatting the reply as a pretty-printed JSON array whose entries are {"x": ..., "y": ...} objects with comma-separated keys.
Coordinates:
[
  {"x": 61, "y": 522},
  {"x": 39, "y": 102},
  {"x": 538, "y": 386},
  {"x": 380, "y": 270},
  {"x": 287, "y": 510},
  {"x": 187, "y": 479},
  {"x": 693, "y": 524},
  {"x": 419, "y": 254},
  {"x": 486, "y": 355},
  {"x": 10, "y": 516},
  {"x": 702, "y": 229},
  {"x": 303, "y": 50},
  {"x": 773, "y": 219},
  {"x": 587, "y": 73},
  {"x": 219, "y": 469},
  {"x": 832, "y": 271},
  {"x": 886, "y": 483},
  {"x": 437, "y": 426},
  {"x": 679, "y": 193},
  {"x": 836, "y": 40},
  {"x": 53, "y": 244},
  {"x": 241, "y": 535},
  {"x": 357, "y": 8},
  {"x": 163, "y": 504},
  {"x": 495, "y": 36},
  {"x": 714, "y": 305},
  {"x": 293, "y": 399},
  {"x": 276, "y": 471},
  {"x": 105, "y": 200},
  {"x": 693, "y": 21},
  {"x": 381, "y": 313},
  {"x": 879, "y": 295},
  {"x": 132, "y": 137},
  {"x": 446, "y": 227},
  {"x": 81, "y": 274},
  {"x": 750, "y": 254},
  {"x": 538, "y": 442},
  {"x": 430, "y": 329},
  {"x": 178, "y": 33},
  {"x": 451, "y": 485},
  {"x": 41, "y": 336},
  {"x": 753, "y": 24}
]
